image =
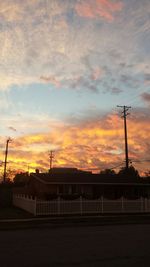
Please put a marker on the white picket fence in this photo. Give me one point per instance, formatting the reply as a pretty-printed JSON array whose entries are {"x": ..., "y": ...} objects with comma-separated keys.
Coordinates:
[
  {"x": 24, "y": 202},
  {"x": 81, "y": 206}
]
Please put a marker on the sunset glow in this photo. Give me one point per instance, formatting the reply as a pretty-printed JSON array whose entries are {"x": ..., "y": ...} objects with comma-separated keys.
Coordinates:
[{"x": 65, "y": 66}]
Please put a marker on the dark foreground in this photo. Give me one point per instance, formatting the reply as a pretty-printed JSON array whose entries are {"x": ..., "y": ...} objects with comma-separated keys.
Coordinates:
[{"x": 105, "y": 246}]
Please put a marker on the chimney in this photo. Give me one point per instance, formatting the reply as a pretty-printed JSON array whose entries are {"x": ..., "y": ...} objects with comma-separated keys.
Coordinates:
[{"x": 37, "y": 171}]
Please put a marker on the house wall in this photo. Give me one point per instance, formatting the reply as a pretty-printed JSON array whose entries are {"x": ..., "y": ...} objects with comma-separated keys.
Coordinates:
[
  {"x": 111, "y": 191},
  {"x": 39, "y": 189}
]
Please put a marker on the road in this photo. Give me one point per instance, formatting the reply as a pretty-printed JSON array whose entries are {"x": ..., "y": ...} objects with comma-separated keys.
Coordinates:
[{"x": 98, "y": 246}]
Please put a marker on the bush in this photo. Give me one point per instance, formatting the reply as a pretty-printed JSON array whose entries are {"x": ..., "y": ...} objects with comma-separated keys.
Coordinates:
[{"x": 5, "y": 195}]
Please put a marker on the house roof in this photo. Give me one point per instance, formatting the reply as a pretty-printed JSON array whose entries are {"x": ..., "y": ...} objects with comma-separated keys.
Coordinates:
[{"x": 82, "y": 178}]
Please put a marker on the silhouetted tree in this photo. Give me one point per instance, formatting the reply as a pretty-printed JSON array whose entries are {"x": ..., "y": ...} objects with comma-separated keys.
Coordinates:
[
  {"x": 9, "y": 176},
  {"x": 131, "y": 171},
  {"x": 147, "y": 173},
  {"x": 108, "y": 172},
  {"x": 21, "y": 178}
]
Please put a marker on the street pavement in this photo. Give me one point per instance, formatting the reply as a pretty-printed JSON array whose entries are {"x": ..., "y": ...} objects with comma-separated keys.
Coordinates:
[{"x": 76, "y": 245}]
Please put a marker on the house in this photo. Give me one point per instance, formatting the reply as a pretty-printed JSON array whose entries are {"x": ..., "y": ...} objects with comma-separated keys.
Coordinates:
[{"x": 70, "y": 183}]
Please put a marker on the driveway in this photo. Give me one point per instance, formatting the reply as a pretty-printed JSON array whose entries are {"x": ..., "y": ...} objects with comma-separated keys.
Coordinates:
[{"x": 100, "y": 246}]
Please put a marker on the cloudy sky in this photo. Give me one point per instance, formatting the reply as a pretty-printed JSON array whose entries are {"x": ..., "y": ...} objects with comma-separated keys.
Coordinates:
[{"x": 64, "y": 67}]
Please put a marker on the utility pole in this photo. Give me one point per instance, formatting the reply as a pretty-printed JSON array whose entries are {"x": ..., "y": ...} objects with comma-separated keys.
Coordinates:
[
  {"x": 28, "y": 168},
  {"x": 5, "y": 162},
  {"x": 51, "y": 156},
  {"x": 125, "y": 114}
]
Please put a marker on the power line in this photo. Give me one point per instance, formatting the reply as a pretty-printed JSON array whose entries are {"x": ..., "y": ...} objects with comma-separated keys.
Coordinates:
[
  {"x": 140, "y": 161},
  {"x": 119, "y": 165},
  {"x": 137, "y": 97}
]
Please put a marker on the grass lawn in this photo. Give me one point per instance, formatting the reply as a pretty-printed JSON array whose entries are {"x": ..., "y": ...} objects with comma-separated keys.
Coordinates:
[{"x": 13, "y": 213}]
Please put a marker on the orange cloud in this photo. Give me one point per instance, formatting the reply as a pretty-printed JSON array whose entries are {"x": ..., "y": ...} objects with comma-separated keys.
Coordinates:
[
  {"x": 98, "y": 8},
  {"x": 91, "y": 144}
]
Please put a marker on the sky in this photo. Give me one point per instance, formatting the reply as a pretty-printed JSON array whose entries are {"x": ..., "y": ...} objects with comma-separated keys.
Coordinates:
[{"x": 65, "y": 65}]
